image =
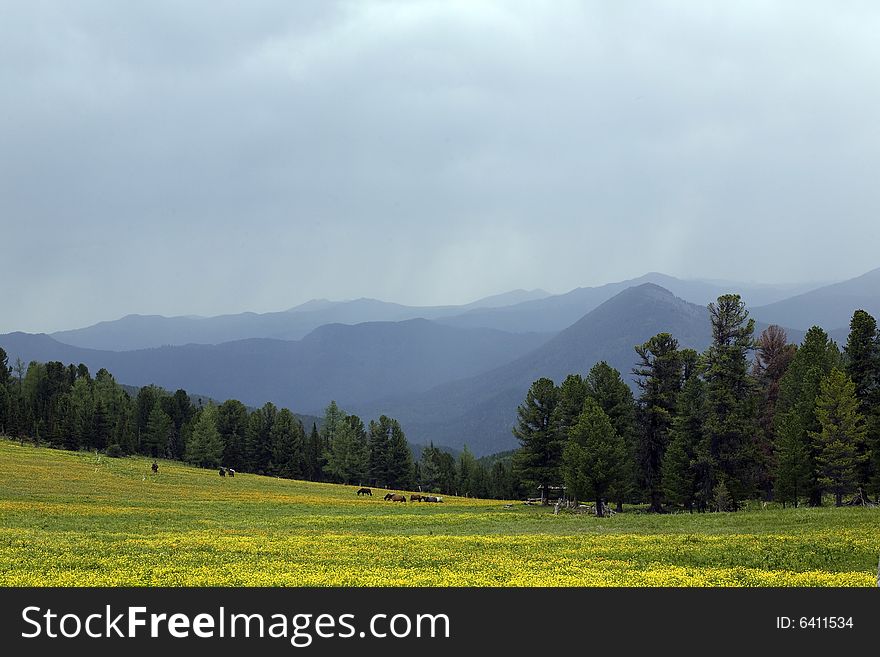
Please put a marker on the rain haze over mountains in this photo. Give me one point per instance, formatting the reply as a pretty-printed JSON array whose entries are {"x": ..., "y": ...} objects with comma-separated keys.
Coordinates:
[{"x": 418, "y": 208}]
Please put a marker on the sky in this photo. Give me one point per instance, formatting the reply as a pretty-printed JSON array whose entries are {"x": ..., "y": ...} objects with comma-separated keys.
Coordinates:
[{"x": 214, "y": 157}]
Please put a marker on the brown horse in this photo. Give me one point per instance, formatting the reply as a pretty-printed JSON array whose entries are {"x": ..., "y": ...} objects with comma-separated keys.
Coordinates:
[
  {"x": 415, "y": 498},
  {"x": 365, "y": 491},
  {"x": 395, "y": 497}
]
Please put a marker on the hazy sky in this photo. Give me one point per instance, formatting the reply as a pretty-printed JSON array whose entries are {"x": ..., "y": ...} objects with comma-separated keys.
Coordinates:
[{"x": 178, "y": 158}]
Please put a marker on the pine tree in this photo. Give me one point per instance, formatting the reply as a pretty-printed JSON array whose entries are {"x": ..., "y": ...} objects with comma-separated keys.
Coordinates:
[
  {"x": 659, "y": 377},
  {"x": 594, "y": 458},
  {"x": 205, "y": 446},
  {"x": 798, "y": 390},
  {"x": 607, "y": 388},
  {"x": 232, "y": 422},
  {"x": 399, "y": 466},
  {"x": 377, "y": 460},
  {"x": 158, "y": 432},
  {"x": 862, "y": 358},
  {"x": 467, "y": 474},
  {"x": 258, "y": 442},
  {"x": 772, "y": 358},
  {"x": 348, "y": 456},
  {"x": 794, "y": 461},
  {"x": 731, "y": 402},
  {"x": 314, "y": 459},
  {"x": 840, "y": 440},
  {"x": 540, "y": 454},
  {"x": 687, "y": 466},
  {"x": 286, "y": 439},
  {"x": 569, "y": 404}
]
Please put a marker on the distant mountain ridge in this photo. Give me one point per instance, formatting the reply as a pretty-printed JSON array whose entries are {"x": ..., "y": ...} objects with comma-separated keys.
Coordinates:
[
  {"x": 351, "y": 364},
  {"x": 830, "y": 307},
  {"x": 518, "y": 311}
]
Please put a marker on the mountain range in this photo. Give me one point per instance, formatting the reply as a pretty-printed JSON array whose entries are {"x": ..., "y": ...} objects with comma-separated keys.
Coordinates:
[
  {"x": 517, "y": 311},
  {"x": 453, "y": 375}
]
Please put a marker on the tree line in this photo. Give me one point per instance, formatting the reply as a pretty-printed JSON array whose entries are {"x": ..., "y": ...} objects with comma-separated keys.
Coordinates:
[
  {"x": 64, "y": 406},
  {"x": 746, "y": 419}
]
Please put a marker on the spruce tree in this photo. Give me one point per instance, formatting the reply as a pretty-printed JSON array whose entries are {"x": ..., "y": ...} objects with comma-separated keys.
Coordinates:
[
  {"x": 798, "y": 390},
  {"x": 731, "y": 403},
  {"x": 314, "y": 458},
  {"x": 286, "y": 440},
  {"x": 794, "y": 461},
  {"x": 158, "y": 432},
  {"x": 772, "y": 358},
  {"x": 687, "y": 466},
  {"x": 840, "y": 439},
  {"x": 862, "y": 359},
  {"x": 659, "y": 378},
  {"x": 399, "y": 466},
  {"x": 607, "y": 388},
  {"x": 540, "y": 454},
  {"x": 347, "y": 458},
  {"x": 205, "y": 446},
  {"x": 594, "y": 458}
]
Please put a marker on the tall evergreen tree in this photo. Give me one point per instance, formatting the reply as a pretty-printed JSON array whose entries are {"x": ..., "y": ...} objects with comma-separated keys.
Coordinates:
[
  {"x": 794, "y": 460},
  {"x": 540, "y": 455},
  {"x": 772, "y": 358},
  {"x": 687, "y": 466},
  {"x": 156, "y": 438},
  {"x": 348, "y": 456},
  {"x": 594, "y": 458},
  {"x": 862, "y": 359},
  {"x": 798, "y": 390},
  {"x": 399, "y": 466},
  {"x": 232, "y": 422},
  {"x": 607, "y": 388},
  {"x": 731, "y": 402},
  {"x": 314, "y": 457},
  {"x": 659, "y": 377},
  {"x": 379, "y": 445},
  {"x": 286, "y": 440},
  {"x": 842, "y": 432},
  {"x": 258, "y": 441},
  {"x": 205, "y": 446},
  {"x": 468, "y": 475}
]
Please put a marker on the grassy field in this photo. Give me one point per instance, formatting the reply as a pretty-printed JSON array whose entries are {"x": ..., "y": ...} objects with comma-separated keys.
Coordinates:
[{"x": 77, "y": 519}]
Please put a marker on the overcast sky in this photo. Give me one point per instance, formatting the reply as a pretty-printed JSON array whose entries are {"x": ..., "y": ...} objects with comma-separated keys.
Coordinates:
[{"x": 205, "y": 158}]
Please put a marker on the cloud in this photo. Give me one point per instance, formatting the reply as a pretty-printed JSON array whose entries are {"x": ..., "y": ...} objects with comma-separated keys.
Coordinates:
[{"x": 218, "y": 157}]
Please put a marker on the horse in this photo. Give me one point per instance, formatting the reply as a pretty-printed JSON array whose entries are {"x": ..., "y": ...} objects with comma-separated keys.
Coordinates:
[
  {"x": 416, "y": 498},
  {"x": 365, "y": 491},
  {"x": 432, "y": 498},
  {"x": 230, "y": 472},
  {"x": 154, "y": 467},
  {"x": 395, "y": 497},
  {"x": 222, "y": 472}
]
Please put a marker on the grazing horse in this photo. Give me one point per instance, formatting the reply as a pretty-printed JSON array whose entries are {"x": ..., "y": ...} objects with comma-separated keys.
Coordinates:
[
  {"x": 222, "y": 472},
  {"x": 230, "y": 472},
  {"x": 432, "y": 498},
  {"x": 416, "y": 498},
  {"x": 365, "y": 491},
  {"x": 395, "y": 497},
  {"x": 154, "y": 467}
]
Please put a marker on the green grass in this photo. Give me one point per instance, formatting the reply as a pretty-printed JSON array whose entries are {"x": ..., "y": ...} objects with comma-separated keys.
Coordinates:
[{"x": 81, "y": 519}]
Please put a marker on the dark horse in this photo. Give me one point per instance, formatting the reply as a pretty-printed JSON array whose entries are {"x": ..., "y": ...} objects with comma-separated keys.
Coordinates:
[
  {"x": 365, "y": 491},
  {"x": 395, "y": 497},
  {"x": 222, "y": 472},
  {"x": 155, "y": 467}
]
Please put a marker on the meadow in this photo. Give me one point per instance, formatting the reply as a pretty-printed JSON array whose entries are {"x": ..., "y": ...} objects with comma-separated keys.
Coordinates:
[{"x": 81, "y": 519}]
